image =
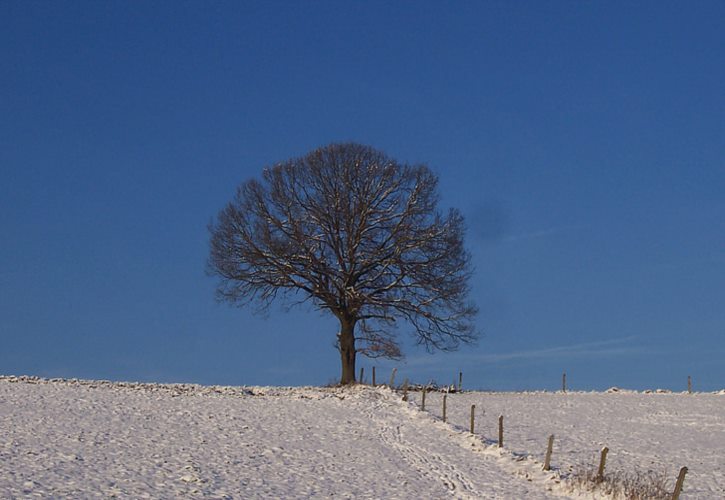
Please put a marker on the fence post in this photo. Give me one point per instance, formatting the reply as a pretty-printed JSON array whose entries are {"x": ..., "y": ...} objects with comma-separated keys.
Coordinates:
[
  {"x": 563, "y": 382},
  {"x": 373, "y": 376},
  {"x": 689, "y": 384},
  {"x": 678, "y": 486},
  {"x": 500, "y": 431},
  {"x": 392, "y": 377},
  {"x": 445, "y": 396},
  {"x": 549, "y": 448},
  {"x": 405, "y": 390},
  {"x": 602, "y": 463},
  {"x": 473, "y": 417},
  {"x": 422, "y": 405},
  {"x": 460, "y": 381},
  {"x": 362, "y": 373}
]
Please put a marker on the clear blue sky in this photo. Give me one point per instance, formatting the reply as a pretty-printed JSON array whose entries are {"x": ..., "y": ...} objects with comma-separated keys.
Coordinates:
[{"x": 584, "y": 142}]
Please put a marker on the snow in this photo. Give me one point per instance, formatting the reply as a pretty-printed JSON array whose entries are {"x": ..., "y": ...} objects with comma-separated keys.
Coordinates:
[
  {"x": 86, "y": 439},
  {"x": 655, "y": 431}
]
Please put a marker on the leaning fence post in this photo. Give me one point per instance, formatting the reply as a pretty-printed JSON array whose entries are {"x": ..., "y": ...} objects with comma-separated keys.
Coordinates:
[
  {"x": 602, "y": 463},
  {"x": 444, "y": 406},
  {"x": 678, "y": 485},
  {"x": 422, "y": 404},
  {"x": 374, "y": 376},
  {"x": 473, "y": 417},
  {"x": 547, "y": 460},
  {"x": 392, "y": 377},
  {"x": 362, "y": 372},
  {"x": 500, "y": 431}
]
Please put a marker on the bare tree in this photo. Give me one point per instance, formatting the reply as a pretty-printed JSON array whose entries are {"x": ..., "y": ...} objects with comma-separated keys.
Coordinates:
[{"x": 357, "y": 234}]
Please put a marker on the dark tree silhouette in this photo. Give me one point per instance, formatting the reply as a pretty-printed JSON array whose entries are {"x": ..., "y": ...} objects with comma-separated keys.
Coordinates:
[{"x": 357, "y": 234}]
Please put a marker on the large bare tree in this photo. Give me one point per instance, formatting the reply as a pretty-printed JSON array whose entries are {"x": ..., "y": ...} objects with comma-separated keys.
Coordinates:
[{"x": 357, "y": 234}]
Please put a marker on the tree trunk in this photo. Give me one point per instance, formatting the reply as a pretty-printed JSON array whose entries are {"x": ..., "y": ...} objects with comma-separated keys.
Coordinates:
[{"x": 347, "y": 351}]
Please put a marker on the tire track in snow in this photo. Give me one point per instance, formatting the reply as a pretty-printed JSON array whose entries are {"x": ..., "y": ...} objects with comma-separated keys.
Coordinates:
[
  {"x": 427, "y": 463},
  {"x": 465, "y": 468}
]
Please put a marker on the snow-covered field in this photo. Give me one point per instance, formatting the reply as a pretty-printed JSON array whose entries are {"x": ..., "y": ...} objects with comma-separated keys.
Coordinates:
[
  {"x": 84, "y": 439},
  {"x": 658, "y": 432}
]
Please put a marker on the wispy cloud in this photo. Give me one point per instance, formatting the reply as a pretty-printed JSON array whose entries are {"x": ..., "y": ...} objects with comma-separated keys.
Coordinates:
[
  {"x": 543, "y": 233},
  {"x": 603, "y": 348}
]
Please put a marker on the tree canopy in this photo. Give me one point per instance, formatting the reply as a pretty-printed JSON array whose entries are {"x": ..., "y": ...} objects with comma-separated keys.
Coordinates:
[{"x": 357, "y": 234}]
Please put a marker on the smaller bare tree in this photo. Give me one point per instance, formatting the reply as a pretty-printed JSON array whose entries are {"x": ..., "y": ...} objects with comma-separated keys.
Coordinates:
[{"x": 357, "y": 234}]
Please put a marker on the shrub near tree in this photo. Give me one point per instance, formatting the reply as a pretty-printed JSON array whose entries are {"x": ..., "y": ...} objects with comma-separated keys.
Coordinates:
[{"x": 357, "y": 234}]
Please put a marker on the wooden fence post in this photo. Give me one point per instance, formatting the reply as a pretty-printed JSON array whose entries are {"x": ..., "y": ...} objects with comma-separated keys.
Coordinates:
[
  {"x": 444, "y": 406},
  {"x": 373, "y": 376},
  {"x": 460, "y": 381},
  {"x": 392, "y": 377},
  {"x": 405, "y": 390},
  {"x": 473, "y": 417},
  {"x": 563, "y": 382},
  {"x": 689, "y": 384},
  {"x": 678, "y": 486},
  {"x": 500, "y": 431},
  {"x": 362, "y": 373},
  {"x": 549, "y": 448},
  {"x": 602, "y": 463},
  {"x": 422, "y": 405}
]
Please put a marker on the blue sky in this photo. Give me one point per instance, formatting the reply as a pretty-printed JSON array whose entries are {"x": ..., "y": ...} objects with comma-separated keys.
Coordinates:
[{"x": 584, "y": 142}]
